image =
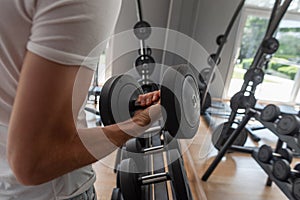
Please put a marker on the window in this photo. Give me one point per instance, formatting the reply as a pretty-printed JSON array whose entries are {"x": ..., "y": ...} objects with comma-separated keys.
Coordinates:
[{"x": 280, "y": 80}]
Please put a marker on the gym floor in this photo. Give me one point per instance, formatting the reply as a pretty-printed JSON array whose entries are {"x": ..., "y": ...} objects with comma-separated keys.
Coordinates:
[{"x": 238, "y": 176}]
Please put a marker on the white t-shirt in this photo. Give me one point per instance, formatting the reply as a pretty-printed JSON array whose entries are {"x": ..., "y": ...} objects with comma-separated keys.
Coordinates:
[{"x": 64, "y": 31}]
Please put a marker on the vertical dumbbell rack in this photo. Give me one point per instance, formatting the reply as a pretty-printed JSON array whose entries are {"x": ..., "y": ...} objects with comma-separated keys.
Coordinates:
[
  {"x": 245, "y": 100},
  {"x": 291, "y": 142},
  {"x": 207, "y": 75},
  {"x": 145, "y": 63}
]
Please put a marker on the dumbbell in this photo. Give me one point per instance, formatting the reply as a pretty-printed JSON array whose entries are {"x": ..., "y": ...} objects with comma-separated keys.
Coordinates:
[
  {"x": 145, "y": 65},
  {"x": 270, "y": 113},
  {"x": 296, "y": 188},
  {"x": 282, "y": 170},
  {"x": 142, "y": 30},
  {"x": 131, "y": 182},
  {"x": 266, "y": 154},
  {"x": 288, "y": 125},
  {"x": 179, "y": 98},
  {"x": 270, "y": 45}
]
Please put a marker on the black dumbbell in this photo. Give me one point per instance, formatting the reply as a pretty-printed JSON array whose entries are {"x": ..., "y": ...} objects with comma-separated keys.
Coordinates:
[
  {"x": 270, "y": 113},
  {"x": 266, "y": 154},
  {"x": 270, "y": 45},
  {"x": 142, "y": 30},
  {"x": 220, "y": 39},
  {"x": 296, "y": 184},
  {"x": 282, "y": 170},
  {"x": 131, "y": 182},
  {"x": 179, "y": 98},
  {"x": 288, "y": 125}
]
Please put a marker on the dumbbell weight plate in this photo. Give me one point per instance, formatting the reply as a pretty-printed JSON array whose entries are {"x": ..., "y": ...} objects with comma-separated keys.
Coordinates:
[
  {"x": 115, "y": 95},
  {"x": 281, "y": 169},
  {"x": 181, "y": 101},
  {"x": 270, "y": 46},
  {"x": 142, "y": 30},
  {"x": 222, "y": 132},
  {"x": 178, "y": 175},
  {"x": 286, "y": 154},
  {"x": 129, "y": 186},
  {"x": 296, "y": 188},
  {"x": 270, "y": 113},
  {"x": 288, "y": 125},
  {"x": 134, "y": 151},
  {"x": 265, "y": 153},
  {"x": 116, "y": 194},
  {"x": 145, "y": 63}
]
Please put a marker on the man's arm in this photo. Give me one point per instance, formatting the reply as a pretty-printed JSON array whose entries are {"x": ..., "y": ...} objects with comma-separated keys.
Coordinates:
[{"x": 43, "y": 141}]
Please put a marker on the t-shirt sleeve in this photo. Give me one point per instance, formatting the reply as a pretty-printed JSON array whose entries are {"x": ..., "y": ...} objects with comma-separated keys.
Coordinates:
[{"x": 67, "y": 31}]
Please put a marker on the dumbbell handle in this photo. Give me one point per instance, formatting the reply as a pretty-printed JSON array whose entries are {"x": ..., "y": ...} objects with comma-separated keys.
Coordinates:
[
  {"x": 134, "y": 105},
  {"x": 154, "y": 178},
  {"x": 153, "y": 150}
]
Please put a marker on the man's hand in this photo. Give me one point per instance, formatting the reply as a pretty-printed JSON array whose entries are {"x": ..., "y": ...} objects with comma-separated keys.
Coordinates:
[
  {"x": 149, "y": 98},
  {"x": 150, "y": 114}
]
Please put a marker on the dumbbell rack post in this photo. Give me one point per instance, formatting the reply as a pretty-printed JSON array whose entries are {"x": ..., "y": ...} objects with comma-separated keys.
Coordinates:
[{"x": 250, "y": 113}]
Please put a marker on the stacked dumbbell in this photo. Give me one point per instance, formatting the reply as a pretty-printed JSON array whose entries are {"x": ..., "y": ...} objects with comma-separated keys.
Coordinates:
[
  {"x": 181, "y": 117},
  {"x": 286, "y": 124},
  {"x": 283, "y": 172},
  {"x": 268, "y": 156}
]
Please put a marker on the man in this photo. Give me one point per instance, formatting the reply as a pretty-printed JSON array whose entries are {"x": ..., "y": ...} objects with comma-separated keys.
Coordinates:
[{"x": 42, "y": 46}]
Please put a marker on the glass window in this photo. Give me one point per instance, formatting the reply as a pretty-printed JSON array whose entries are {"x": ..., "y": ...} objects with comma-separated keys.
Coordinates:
[
  {"x": 279, "y": 80},
  {"x": 295, "y": 5}
]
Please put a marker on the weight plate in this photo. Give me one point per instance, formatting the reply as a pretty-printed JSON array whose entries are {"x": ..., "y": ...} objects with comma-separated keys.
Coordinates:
[
  {"x": 205, "y": 73},
  {"x": 181, "y": 101},
  {"x": 270, "y": 46},
  {"x": 220, "y": 39},
  {"x": 134, "y": 151},
  {"x": 286, "y": 154},
  {"x": 296, "y": 188},
  {"x": 129, "y": 186},
  {"x": 281, "y": 169},
  {"x": 265, "y": 153},
  {"x": 288, "y": 125},
  {"x": 270, "y": 113},
  {"x": 254, "y": 75},
  {"x": 133, "y": 145},
  {"x": 240, "y": 101},
  {"x": 116, "y": 93},
  {"x": 145, "y": 64},
  {"x": 178, "y": 175},
  {"x": 116, "y": 194},
  {"x": 222, "y": 132},
  {"x": 142, "y": 30}
]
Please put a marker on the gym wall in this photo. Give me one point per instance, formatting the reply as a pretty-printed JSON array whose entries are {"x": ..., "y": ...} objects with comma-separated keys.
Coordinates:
[{"x": 203, "y": 20}]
